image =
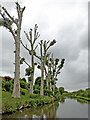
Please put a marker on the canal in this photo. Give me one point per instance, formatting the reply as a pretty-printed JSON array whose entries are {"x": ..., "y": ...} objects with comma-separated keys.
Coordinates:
[{"x": 66, "y": 108}]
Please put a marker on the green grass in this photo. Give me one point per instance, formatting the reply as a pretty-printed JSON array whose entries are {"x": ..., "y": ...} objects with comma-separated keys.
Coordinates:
[
  {"x": 71, "y": 95},
  {"x": 10, "y": 105},
  {"x": 84, "y": 98}
]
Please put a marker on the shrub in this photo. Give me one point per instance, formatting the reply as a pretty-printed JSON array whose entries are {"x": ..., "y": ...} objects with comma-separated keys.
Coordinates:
[
  {"x": 3, "y": 84},
  {"x": 48, "y": 92},
  {"x": 57, "y": 96},
  {"x": 37, "y": 87},
  {"x": 36, "y": 91},
  {"x": 7, "y": 86},
  {"x": 32, "y": 102},
  {"x": 3, "y": 89},
  {"x": 7, "y": 78},
  {"x": 35, "y": 96},
  {"x": 56, "y": 91},
  {"x": 23, "y": 91},
  {"x": 23, "y": 79},
  {"x": 61, "y": 90},
  {"x": 23, "y": 84}
]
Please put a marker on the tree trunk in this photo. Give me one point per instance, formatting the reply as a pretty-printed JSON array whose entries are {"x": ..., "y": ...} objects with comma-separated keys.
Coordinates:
[
  {"x": 50, "y": 87},
  {"x": 42, "y": 79},
  {"x": 31, "y": 87},
  {"x": 47, "y": 80},
  {"x": 16, "y": 89},
  {"x": 32, "y": 74},
  {"x": 42, "y": 70}
]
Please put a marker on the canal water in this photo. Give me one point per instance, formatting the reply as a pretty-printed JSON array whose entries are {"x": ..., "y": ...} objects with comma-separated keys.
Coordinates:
[{"x": 66, "y": 108}]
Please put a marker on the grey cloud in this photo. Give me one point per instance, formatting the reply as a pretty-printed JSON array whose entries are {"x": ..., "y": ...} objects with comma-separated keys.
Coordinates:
[{"x": 71, "y": 41}]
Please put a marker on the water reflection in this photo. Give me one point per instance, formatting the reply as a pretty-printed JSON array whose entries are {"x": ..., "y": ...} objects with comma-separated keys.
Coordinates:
[
  {"x": 58, "y": 109},
  {"x": 46, "y": 111}
]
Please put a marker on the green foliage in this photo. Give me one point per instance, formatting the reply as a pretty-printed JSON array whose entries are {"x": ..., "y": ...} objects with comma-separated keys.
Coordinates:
[
  {"x": 4, "y": 22},
  {"x": 48, "y": 92},
  {"x": 29, "y": 71},
  {"x": 39, "y": 67},
  {"x": 52, "y": 43},
  {"x": 35, "y": 63},
  {"x": 56, "y": 90},
  {"x": 23, "y": 91},
  {"x": 61, "y": 90},
  {"x": 56, "y": 61},
  {"x": 36, "y": 91},
  {"x": 57, "y": 96},
  {"x": 52, "y": 82},
  {"x": 38, "y": 81},
  {"x": 23, "y": 84},
  {"x": 29, "y": 79},
  {"x": 7, "y": 85},
  {"x": 3, "y": 84},
  {"x": 35, "y": 96},
  {"x": 22, "y": 60},
  {"x": 23, "y": 79},
  {"x": 46, "y": 62},
  {"x": 36, "y": 87}
]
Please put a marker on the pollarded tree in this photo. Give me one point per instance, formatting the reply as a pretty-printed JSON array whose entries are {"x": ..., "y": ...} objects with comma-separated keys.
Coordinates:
[
  {"x": 31, "y": 69},
  {"x": 53, "y": 70},
  {"x": 44, "y": 46},
  {"x": 56, "y": 67},
  {"x": 6, "y": 21}
]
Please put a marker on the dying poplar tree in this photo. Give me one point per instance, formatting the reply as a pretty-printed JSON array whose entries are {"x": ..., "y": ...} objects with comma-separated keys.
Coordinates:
[
  {"x": 31, "y": 69},
  {"x": 6, "y": 21}
]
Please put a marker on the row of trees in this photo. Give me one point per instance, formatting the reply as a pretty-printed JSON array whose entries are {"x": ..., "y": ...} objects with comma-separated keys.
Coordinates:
[{"x": 50, "y": 67}]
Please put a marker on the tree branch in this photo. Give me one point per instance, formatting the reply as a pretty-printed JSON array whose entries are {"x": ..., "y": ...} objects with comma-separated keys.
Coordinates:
[
  {"x": 30, "y": 33},
  {"x": 9, "y": 15},
  {"x": 36, "y": 34},
  {"x": 37, "y": 57},
  {"x": 9, "y": 26},
  {"x": 35, "y": 47},
  {"x": 26, "y": 63},
  {"x": 24, "y": 46},
  {"x": 27, "y": 36}
]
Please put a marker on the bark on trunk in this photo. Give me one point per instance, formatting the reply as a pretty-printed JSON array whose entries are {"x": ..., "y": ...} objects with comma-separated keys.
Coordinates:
[
  {"x": 32, "y": 74},
  {"x": 16, "y": 89},
  {"x": 42, "y": 80},
  {"x": 47, "y": 82},
  {"x": 31, "y": 87},
  {"x": 50, "y": 87},
  {"x": 42, "y": 70}
]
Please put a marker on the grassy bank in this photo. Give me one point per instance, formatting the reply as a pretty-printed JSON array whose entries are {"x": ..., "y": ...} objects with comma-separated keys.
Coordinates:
[
  {"x": 10, "y": 105},
  {"x": 80, "y": 95}
]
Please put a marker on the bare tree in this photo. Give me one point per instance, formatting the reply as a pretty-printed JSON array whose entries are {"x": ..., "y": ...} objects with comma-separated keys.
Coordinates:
[
  {"x": 7, "y": 21},
  {"x": 32, "y": 53}
]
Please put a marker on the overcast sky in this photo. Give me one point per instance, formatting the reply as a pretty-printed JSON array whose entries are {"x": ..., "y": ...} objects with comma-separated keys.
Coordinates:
[{"x": 63, "y": 20}]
